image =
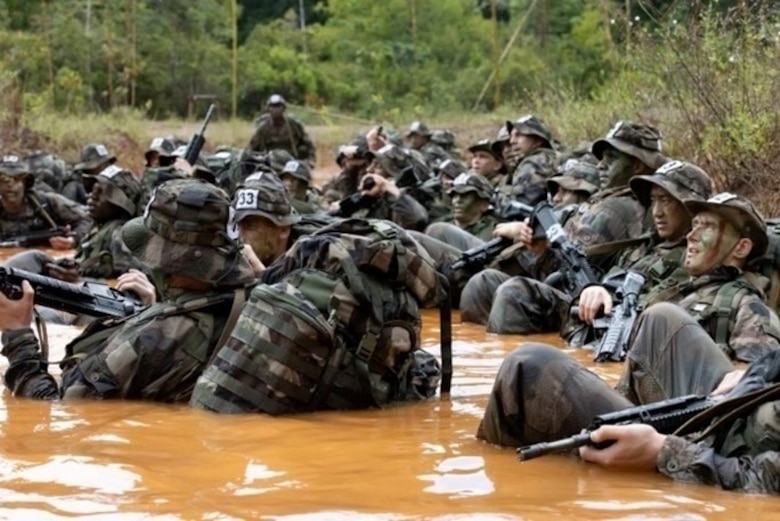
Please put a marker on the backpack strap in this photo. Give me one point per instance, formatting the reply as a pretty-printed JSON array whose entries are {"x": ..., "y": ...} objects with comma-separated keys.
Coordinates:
[
  {"x": 239, "y": 299},
  {"x": 725, "y": 308}
]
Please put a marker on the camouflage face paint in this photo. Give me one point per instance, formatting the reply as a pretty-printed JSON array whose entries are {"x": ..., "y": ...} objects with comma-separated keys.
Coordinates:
[
  {"x": 709, "y": 243},
  {"x": 466, "y": 208}
]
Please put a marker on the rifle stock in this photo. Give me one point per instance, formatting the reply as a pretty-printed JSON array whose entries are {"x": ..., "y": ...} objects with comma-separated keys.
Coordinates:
[
  {"x": 88, "y": 298},
  {"x": 476, "y": 258},
  {"x": 30, "y": 239},
  {"x": 665, "y": 417}
]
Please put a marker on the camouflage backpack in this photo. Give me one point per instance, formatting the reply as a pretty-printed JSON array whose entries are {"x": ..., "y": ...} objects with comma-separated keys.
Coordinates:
[
  {"x": 336, "y": 326},
  {"x": 767, "y": 267}
]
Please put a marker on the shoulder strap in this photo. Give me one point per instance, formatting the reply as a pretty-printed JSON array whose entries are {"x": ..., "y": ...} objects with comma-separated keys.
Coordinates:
[
  {"x": 725, "y": 308},
  {"x": 239, "y": 298}
]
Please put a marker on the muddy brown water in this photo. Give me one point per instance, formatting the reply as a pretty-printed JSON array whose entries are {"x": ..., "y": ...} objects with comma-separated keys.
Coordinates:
[{"x": 130, "y": 460}]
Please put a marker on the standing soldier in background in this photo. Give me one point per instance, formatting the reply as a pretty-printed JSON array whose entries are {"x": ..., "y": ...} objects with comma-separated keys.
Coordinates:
[{"x": 277, "y": 130}]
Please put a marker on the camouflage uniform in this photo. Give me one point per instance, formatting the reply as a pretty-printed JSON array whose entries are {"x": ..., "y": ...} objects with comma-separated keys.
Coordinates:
[
  {"x": 523, "y": 305},
  {"x": 286, "y": 133},
  {"x": 49, "y": 171},
  {"x": 541, "y": 394},
  {"x": 431, "y": 152},
  {"x": 159, "y": 353},
  {"x": 94, "y": 157},
  {"x": 613, "y": 214},
  {"x": 529, "y": 178},
  {"x": 311, "y": 202},
  {"x": 450, "y": 231},
  {"x": 99, "y": 254},
  {"x": 41, "y": 210}
]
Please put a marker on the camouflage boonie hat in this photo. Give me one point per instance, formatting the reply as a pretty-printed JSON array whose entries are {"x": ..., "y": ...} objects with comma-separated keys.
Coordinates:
[
  {"x": 503, "y": 135},
  {"x": 263, "y": 194},
  {"x": 641, "y": 141},
  {"x": 418, "y": 127},
  {"x": 275, "y": 99},
  {"x": 298, "y": 170},
  {"x": 471, "y": 182},
  {"x": 200, "y": 170},
  {"x": 575, "y": 176},
  {"x": 530, "y": 125},
  {"x": 46, "y": 167},
  {"x": 486, "y": 145},
  {"x": 184, "y": 231},
  {"x": 444, "y": 138},
  {"x": 450, "y": 168},
  {"x": 160, "y": 145},
  {"x": 684, "y": 181},
  {"x": 278, "y": 158},
  {"x": 392, "y": 159},
  {"x": 94, "y": 155},
  {"x": 13, "y": 165},
  {"x": 120, "y": 187},
  {"x": 740, "y": 213}
]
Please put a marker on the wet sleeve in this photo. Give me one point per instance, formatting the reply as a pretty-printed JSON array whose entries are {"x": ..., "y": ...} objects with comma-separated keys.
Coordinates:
[
  {"x": 684, "y": 460},
  {"x": 27, "y": 375},
  {"x": 755, "y": 330}
]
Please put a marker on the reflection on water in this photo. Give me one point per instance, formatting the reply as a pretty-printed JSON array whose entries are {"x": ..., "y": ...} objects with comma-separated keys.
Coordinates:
[{"x": 128, "y": 460}]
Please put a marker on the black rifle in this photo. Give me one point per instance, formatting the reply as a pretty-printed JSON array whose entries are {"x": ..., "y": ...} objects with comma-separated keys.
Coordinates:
[
  {"x": 197, "y": 141},
  {"x": 577, "y": 271},
  {"x": 613, "y": 345},
  {"x": 665, "y": 416},
  {"x": 40, "y": 238},
  {"x": 357, "y": 201},
  {"x": 88, "y": 298},
  {"x": 476, "y": 258}
]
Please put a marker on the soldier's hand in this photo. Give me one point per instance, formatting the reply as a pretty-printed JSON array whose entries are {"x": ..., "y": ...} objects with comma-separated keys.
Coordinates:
[
  {"x": 257, "y": 265},
  {"x": 63, "y": 269},
  {"x": 592, "y": 300},
  {"x": 17, "y": 314},
  {"x": 728, "y": 382},
  {"x": 635, "y": 446},
  {"x": 184, "y": 165},
  {"x": 513, "y": 230},
  {"x": 135, "y": 281},
  {"x": 375, "y": 138}
]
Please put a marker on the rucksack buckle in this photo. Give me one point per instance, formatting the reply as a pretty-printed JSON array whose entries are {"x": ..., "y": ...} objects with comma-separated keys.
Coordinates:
[{"x": 365, "y": 349}]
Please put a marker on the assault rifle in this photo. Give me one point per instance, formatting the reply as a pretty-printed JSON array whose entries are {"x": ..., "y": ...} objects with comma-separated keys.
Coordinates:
[
  {"x": 357, "y": 201},
  {"x": 577, "y": 271},
  {"x": 665, "y": 416},
  {"x": 197, "y": 141},
  {"x": 88, "y": 298},
  {"x": 613, "y": 345},
  {"x": 477, "y": 257},
  {"x": 40, "y": 238}
]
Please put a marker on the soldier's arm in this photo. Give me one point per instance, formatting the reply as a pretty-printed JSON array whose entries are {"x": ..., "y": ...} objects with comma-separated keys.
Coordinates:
[
  {"x": 257, "y": 141},
  {"x": 407, "y": 212},
  {"x": 26, "y": 375},
  {"x": 755, "y": 331},
  {"x": 684, "y": 460},
  {"x": 67, "y": 212},
  {"x": 613, "y": 219}
]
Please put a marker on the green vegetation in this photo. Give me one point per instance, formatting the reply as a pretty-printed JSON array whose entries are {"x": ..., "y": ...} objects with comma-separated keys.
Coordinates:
[{"x": 703, "y": 71}]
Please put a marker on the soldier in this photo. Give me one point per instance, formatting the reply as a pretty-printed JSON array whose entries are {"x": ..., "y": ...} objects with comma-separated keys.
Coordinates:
[
  {"x": 296, "y": 176},
  {"x": 158, "y": 146},
  {"x": 671, "y": 355},
  {"x": 113, "y": 200},
  {"x": 531, "y": 140},
  {"x": 95, "y": 157},
  {"x": 158, "y": 353},
  {"x": 575, "y": 183},
  {"x": 418, "y": 137},
  {"x": 486, "y": 160},
  {"x": 470, "y": 195},
  {"x": 24, "y": 210},
  {"x": 526, "y": 305},
  {"x": 275, "y": 130},
  {"x": 263, "y": 215},
  {"x": 629, "y": 149},
  {"x": 49, "y": 171}
]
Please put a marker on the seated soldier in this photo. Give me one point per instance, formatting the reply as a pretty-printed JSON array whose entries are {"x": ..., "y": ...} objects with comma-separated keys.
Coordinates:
[
  {"x": 486, "y": 160},
  {"x": 113, "y": 198},
  {"x": 525, "y": 305},
  {"x": 532, "y": 141},
  {"x": 418, "y": 137},
  {"x": 471, "y": 223},
  {"x": 95, "y": 158},
  {"x": 24, "y": 210},
  {"x": 49, "y": 171},
  {"x": 672, "y": 354},
  {"x": 296, "y": 176},
  {"x": 158, "y": 353},
  {"x": 158, "y": 146},
  {"x": 575, "y": 183}
]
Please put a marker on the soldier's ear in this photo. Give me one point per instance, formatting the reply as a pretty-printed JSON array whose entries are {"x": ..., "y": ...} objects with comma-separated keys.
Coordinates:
[{"x": 742, "y": 249}]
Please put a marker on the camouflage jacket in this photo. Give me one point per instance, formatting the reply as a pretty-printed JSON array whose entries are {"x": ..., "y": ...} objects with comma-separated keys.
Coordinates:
[
  {"x": 290, "y": 136},
  {"x": 39, "y": 209},
  {"x": 483, "y": 228},
  {"x": 154, "y": 177},
  {"x": 154, "y": 355},
  {"x": 659, "y": 262},
  {"x": 611, "y": 215},
  {"x": 433, "y": 154},
  {"x": 405, "y": 211},
  {"x": 311, "y": 204},
  {"x": 529, "y": 179},
  {"x": 730, "y": 309},
  {"x": 100, "y": 254}
]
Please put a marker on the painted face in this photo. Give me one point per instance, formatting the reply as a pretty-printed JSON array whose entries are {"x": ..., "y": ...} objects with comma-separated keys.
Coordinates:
[
  {"x": 467, "y": 208},
  {"x": 564, "y": 197},
  {"x": 619, "y": 165},
  {"x": 100, "y": 209},
  {"x": 710, "y": 242},
  {"x": 484, "y": 163},
  {"x": 12, "y": 191},
  {"x": 522, "y": 143},
  {"x": 263, "y": 236},
  {"x": 670, "y": 217}
]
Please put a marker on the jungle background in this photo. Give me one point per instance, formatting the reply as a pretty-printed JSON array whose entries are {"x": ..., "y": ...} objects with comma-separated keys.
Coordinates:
[{"x": 123, "y": 71}]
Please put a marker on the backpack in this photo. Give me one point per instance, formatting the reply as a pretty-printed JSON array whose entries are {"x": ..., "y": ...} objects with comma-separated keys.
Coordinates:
[
  {"x": 335, "y": 326},
  {"x": 764, "y": 272}
]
